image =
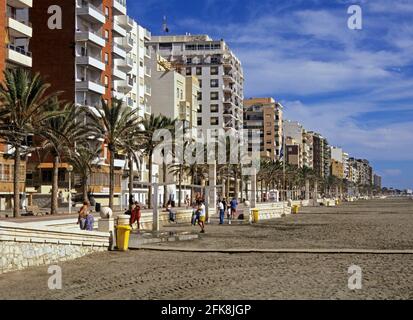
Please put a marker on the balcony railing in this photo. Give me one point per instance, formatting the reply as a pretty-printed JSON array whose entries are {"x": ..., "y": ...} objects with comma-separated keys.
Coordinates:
[
  {"x": 14, "y": 17},
  {"x": 19, "y": 49}
]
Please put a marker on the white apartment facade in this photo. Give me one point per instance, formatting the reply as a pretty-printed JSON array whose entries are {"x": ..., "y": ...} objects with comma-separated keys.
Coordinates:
[
  {"x": 220, "y": 75},
  {"x": 294, "y": 133}
]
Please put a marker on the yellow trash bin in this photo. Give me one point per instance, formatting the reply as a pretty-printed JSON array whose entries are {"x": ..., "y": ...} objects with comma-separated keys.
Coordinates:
[
  {"x": 255, "y": 216},
  {"x": 122, "y": 239},
  {"x": 295, "y": 209}
]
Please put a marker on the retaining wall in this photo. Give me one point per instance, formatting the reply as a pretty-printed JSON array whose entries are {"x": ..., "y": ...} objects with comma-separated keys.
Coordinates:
[{"x": 24, "y": 246}]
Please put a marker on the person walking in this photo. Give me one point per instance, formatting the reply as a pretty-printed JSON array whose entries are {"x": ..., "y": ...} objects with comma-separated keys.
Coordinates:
[
  {"x": 234, "y": 205},
  {"x": 187, "y": 202},
  {"x": 135, "y": 215},
  {"x": 221, "y": 211},
  {"x": 83, "y": 213},
  {"x": 202, "y": 216}
]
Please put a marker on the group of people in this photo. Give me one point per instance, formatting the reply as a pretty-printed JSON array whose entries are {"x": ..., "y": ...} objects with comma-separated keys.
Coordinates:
[
  {"x": 86, "y": 220},
  {"x": 230, "y": 208}
]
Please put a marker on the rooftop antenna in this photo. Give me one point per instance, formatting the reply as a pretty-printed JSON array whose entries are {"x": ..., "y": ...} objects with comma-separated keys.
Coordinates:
[{"x": 165, "y": 28}]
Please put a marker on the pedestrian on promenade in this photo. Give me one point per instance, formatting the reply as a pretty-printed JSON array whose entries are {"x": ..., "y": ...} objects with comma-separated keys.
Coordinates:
[
  {"x": 172, "y": 214},
  {"x": 195, "y": 214},
  {"x": 221, "y": 211},
  {"x": 90, "y": 221},
  {"x": 202, "y": 216},
  {"x": 83, "y": 213},
  {"x": 187, "y": 201},
  {"x": 135, "y": 215},
  {"x": 234, "y": 205}
]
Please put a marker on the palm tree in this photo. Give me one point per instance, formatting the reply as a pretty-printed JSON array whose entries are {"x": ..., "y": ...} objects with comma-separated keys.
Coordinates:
[
  {"x": 119, "y": 125},
  {"x": 22, "y": 107},
  {"x": 306, "y": 174},
  {"x": 82, "y": 161},
  {"x": 60, "y": 136},
  {"x": 148, "y": 127}
]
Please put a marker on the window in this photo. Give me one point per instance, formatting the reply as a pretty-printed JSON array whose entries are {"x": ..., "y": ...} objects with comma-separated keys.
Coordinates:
[
  {"x": 214, "y": 121},
  {"x": 189, "y": 60},
  {"x": 200, "y": 83},
  {"x": 214, "y": 71},
  {"x": 199, "y": 122},
  {"x": 106, "y": 58},
  {"x": 199, "y": 96},
  {"x": 107, "y": 12},
  {"x": 214, "y": 95},
  {"x": 107, "y": 34},
  {"x": 199, "y": 71},
  {"x": 214, "y": 108},
  {"x": 214, "y": 83},
  {"x": 199, "y": 108},
  {"x": 188, "y": 71},
  {"x": 177, "y": 93}
]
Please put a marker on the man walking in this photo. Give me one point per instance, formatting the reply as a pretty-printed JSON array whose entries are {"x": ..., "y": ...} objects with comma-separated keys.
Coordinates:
[
  {"x": 234, "y": 205},
  {"x": 221, "y": 211}
]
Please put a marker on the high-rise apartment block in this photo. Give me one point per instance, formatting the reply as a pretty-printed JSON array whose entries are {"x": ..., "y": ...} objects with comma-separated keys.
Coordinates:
[
  {"x": 16, "y": 32},
  {"x": 266, "y": 115},
  {"x": 219, "y": 72},
  {"x": 294, "y": 136}
]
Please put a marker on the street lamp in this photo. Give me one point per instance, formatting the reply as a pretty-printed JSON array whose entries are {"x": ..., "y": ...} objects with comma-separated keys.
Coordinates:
[{"x": 69, "y": 170}]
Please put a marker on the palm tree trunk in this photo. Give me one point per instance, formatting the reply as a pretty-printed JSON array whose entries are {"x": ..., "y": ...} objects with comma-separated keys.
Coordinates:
[
  {"x": 111, "y": 178},
  {"x": 16, "y": 183},
  {"x": 307, "y": 189},
  {"x": 85, "y": 188},
  {"x": 180, "y": 186},
  {"x": 165, "y": 187},
  {"x": 130, "y": 182},
  {"x": 55, "y": 185},
  {"x": 236, "y": 187},
  {"x": 150, "y": 182}
]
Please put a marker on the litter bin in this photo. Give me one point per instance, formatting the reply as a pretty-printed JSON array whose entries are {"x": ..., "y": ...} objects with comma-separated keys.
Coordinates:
[
  {"x": 98, "y": 206},
  {"x": 122, "y": 239},
  {"x": 295, "y": 209},
  {"x": 255, "y": 215},
  {"x": 337, "y": 202}
]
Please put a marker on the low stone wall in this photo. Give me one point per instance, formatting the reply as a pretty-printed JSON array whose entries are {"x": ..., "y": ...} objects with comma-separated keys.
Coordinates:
[
  {"x": 182, "y": 216},
  {"x": 26, "y": 246},
  {"x": 274, "y": 210}
]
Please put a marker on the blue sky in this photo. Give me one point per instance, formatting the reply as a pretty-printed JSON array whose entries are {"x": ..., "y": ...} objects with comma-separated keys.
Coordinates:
[{"x": 353, "y": 86}]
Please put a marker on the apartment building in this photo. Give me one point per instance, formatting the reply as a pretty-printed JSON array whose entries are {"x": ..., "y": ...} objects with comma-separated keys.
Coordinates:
[
  {"x": 293, "y": 152},
  {"x": 318, "y": 154},
  {"x": 308, "y": 149},
  {"x": 294, "y": 135},
  {"x": 87, "y": 59},
  {"x": 134, "y": 89},
  {"x": 16, "y": 30},
  {"x": 361, "y": 172},
  {"x": 337, "y": 169},
  {"x": 266, "y": 115},
  {"x": 220, "y": 75},
  {"x": 377, "y": 181}
]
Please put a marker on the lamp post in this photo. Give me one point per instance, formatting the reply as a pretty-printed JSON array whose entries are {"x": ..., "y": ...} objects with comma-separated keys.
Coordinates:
[{"x": 69, "y": 170}]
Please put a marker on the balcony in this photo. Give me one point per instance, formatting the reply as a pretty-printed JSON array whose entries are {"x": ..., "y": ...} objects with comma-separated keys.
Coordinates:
[
  {"x": 19, "y": 29},
  {"x": 126, "y": 64},
  {"x": 20, "y": 4},
  {"x": 90, "y": 13},
  {"x": 127, "y": 43},
  {"x": 228, "y": 77},
  {"x": 126, "y": 22},
  {"x": 118, "y": 31},
  {"x": 125, "y": 86},
  {"x": 147, "y": 52},
  {"x": 148, "y": 90},
  {"x": 91, "y": 62},
  {"x": 148, "y": 72},
  {"x": 118, "y": 52},
  {"x": 148, "y": 109},
  {"x": 147, "y": 35},
  {"x": 19, "y": 56},
  {"x": 118, "y": 74},
  {"x": 91, "y": 37},
  {"x": 119, "y": 7},
  {"x": 92, "y": 86}
]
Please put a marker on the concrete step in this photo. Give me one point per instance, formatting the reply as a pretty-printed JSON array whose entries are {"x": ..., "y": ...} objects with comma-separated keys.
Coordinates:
[{"x": 137, "y": 241}]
